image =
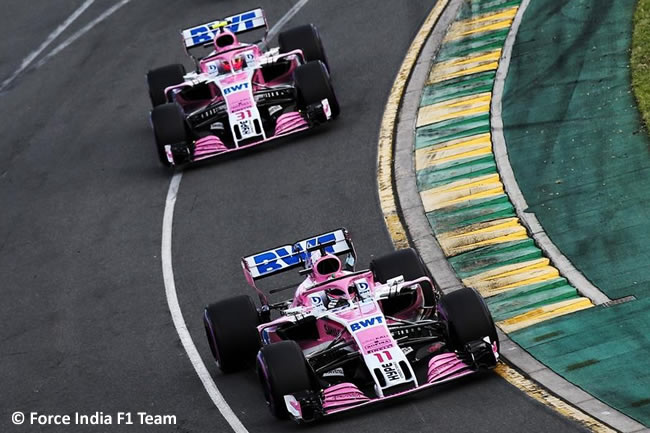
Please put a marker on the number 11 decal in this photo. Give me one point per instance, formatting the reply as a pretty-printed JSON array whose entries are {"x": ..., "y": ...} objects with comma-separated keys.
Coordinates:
[{"x": 380, "y": 358}]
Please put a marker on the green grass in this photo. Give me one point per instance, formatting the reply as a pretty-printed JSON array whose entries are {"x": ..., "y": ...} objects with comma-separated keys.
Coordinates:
[{"x": 640, "y": 62}]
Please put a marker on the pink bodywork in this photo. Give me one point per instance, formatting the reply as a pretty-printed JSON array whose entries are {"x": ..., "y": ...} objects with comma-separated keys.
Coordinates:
[
  {"x": 442, "y": 368},
  {"x": 286, "y": 124},
  {"x": 326, "y": 327},
  {"x": 373, "y": 339}
]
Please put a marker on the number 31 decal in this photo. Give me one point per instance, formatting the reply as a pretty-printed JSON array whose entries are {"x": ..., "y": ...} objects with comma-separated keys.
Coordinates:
[{"x": 244, "y": 114}]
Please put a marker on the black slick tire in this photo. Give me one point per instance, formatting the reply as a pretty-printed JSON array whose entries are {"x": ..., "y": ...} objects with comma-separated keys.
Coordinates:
[
  {"x": 231, "y": 328},
  {"x": 305, "y": 38},
  {"x": 313, "y": 84},
  {"x": 160, "y": 78},
  {"x": 468, "y": 317},
  {"x": 282, "y": 369},
  {"x": 169, "y": 127}
]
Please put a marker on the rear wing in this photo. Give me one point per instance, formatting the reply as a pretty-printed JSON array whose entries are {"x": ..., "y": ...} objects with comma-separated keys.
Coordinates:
[
  {"x": 243, "y": 22},
  {"x": 285, "y": 257}
]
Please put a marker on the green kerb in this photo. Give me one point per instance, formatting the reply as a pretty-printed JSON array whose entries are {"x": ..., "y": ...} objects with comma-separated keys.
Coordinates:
[
  {"x": 451, "y": 129},
  {"x": 479, "y": 7},
  {"x": 458, "y": 87},
  {"x": 473, "y": 44}
]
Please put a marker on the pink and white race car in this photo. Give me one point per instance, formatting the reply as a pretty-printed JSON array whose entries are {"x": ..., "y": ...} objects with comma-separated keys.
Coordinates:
[
  {"x": 348, "y": 338},
  {"x": 239, "y": 94}
]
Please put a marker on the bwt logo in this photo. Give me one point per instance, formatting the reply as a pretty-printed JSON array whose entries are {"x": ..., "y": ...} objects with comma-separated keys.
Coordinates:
[
  {"x": 235, "y": 88},
  {"x": 282, "y": 257},
  {"x": 246, "y": 20},
  {"x": 365, "y": 323},
  {"x": 206, "y": 33}
]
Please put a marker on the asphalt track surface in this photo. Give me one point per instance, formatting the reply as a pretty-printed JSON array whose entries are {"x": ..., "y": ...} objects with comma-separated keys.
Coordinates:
[{"x": 86, "y": 326}]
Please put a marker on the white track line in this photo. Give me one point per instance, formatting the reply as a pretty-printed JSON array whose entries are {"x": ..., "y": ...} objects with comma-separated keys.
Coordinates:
[
  {"x": 170, "y": 285},
  {"x": 79, "y": 33},
  {"x": 30, "y": 58},
  {"x": 177, "y": 315},
  {"x": 285, "y": 18}
]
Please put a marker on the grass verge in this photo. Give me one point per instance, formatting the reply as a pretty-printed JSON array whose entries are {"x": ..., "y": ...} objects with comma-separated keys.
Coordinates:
[{"x": 640, "y": 62}]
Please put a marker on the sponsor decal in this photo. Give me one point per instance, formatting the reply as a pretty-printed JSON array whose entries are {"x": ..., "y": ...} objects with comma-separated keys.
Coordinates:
[
  {"x": 235, "y": 88},
  {"x": 326, "y": 108},
  {"x": 365, "y": 323},
  {"x": 274, "y": 109},
  {"x": 379, "y": 343},
  {"x": 406, "y": 350},
  {"x": 249, "y": 56},
  {"x": 169, "y": 154},
  {"x": 363, "y": 288},
  {"x": 205, "y": 33},
  {"x": 336, "y": 372},
  {"x": 279, "y": 258},
  {"x": 245, "y": 128},
  {"x": 346, "y": 396},
  {"x": 242, "y": 22},
  {"x": 212, "y": 68},
  {"x": 293, "y": 406},
  {"x": 391, "y": 373}
]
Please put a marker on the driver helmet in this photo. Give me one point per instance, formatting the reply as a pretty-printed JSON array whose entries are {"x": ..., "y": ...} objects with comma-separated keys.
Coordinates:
[
  {"x": 237, "y": 63},
  {"x": 335, "y": 298}
]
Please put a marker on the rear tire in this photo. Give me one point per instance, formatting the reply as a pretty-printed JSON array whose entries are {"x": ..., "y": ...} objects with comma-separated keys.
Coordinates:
[
  {"x": 406, "y": 262},
  {"x": 169, "y": 127},
  {"x": 313, "y": 83},
  {"x": 305, "y": 38},
  {"x": 231, "y": 328},
  {"x": 282, "y": 369},
  {"x": 160, "y": 78},
  {"x": 468, "y": 318}
]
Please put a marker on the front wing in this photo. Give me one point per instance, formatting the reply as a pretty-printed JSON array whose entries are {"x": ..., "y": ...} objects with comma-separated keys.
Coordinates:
[
  {"x": 287, "y": 124},
  {"x": 308, "y": 406}
]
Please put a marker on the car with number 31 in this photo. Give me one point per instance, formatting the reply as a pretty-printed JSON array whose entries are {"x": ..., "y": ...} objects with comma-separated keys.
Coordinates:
[{"x": 239, "y": 94}]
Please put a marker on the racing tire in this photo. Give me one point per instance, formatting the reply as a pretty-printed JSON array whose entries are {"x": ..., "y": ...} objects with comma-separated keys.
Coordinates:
[
  {"x": 406, "y": 262},
  {"x": 468, "y": 317},
  {"x": 169, "y": 127},
  {"x": 231, "y": 328},
  {"x": 305, "y": 38},
  {"x": 282, "y": 369},
  {"x": 313, "y": 83},
  {"x": 160, "y": 78}
]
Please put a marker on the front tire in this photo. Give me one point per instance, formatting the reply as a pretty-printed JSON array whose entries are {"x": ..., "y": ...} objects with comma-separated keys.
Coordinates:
[
  {"x": 160, "y": 78},
  {"x": 169, "y": 127},
  {"x": 282, "y": 369},
  {"x": 305, "y": 38},
  {"x": 313, "y": 83},
  {"x": 231, "y": 328},
  {"x": 468, "y": 317}
]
